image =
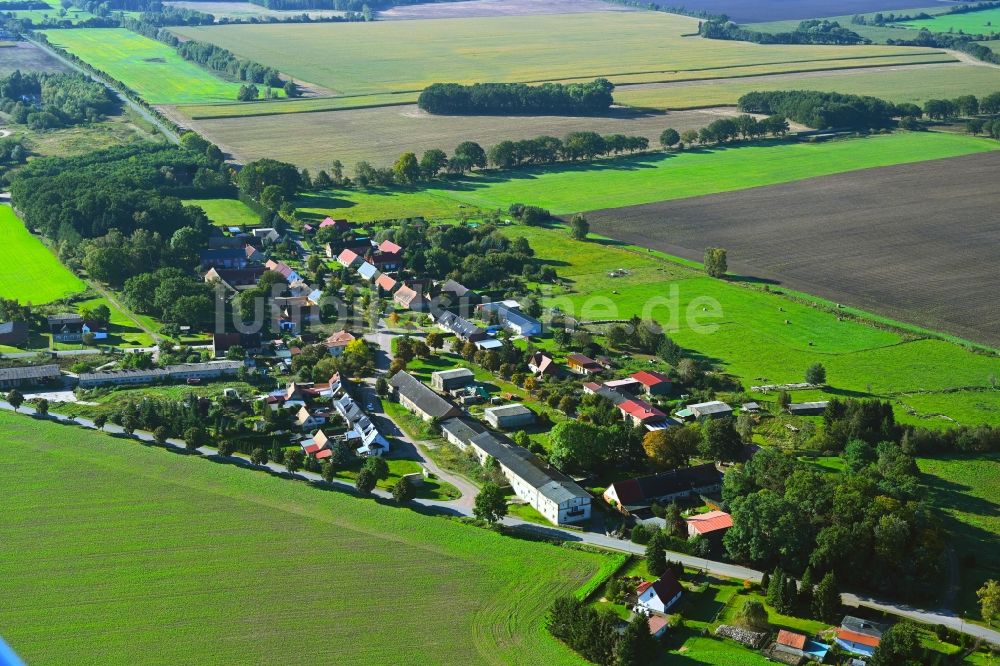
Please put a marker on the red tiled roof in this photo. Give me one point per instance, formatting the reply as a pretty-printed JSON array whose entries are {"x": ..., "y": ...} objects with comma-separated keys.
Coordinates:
[
  {"x": 385, "y": 282},
  {"x": 330, "y": 222},
  {"x": 656, "y": 623},
  {"x": 389, "y": 247},
  {"x": 791, "y": 639},
  {"x": 325, "y": 453},
  {"x": 640, "y": 410},
  {"x": 710, "y": 522},
  {"x": 855, "y": 637},
  {"x": 650, "y": 377},
  {"x": 312, "y": 448},
  {"x": 339, "y": 339},
  {"x": 347, "y": 257},
  {"x": 643, "y": 586},
  {"x": 591, "y": 386}
]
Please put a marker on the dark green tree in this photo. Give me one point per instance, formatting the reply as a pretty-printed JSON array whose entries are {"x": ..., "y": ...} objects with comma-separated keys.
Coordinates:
[
  {"x": 403, "y": 491},
  {"x": 490, "y": 505},
  {"x": 366, "y": 481},
  {"x": 716, "y": 264}
]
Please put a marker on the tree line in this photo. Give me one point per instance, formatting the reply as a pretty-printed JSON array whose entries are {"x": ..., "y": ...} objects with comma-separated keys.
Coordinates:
[
  {"x": 822, "y": 110},
  {"x": 518, "y": 98},
  {"x": 45, "y": 101},
  {"x": 964, "y": 106},
  {"x": 814, "y": 31},
  {"x": 943, "y": 40},
  {"x": 596, "y": 636}
]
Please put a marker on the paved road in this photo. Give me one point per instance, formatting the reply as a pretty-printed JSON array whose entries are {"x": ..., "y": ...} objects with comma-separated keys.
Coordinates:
[{"x": 462, "y": 507}]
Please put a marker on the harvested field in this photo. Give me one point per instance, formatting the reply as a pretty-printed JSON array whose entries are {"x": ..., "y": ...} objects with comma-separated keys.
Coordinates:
[
  {"x": 380, "y": 135},
  {"x": 915, "y": 242},
  {"x": 480, "y": 8},
  {"x": 246, "y": 10},
  {"x": 27, "y": 57},
  {"x": 911, "y": 83},
  {"x": 747, "y": 11},
  {"x": 396, "y": 56}
]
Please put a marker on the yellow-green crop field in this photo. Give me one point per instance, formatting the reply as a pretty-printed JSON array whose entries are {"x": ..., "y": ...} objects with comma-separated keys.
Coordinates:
[
  {"x": 150, "y": 68},
  {"x": 111, "y": 545},
  {"x": 395, "y": 56},
  {"x": 29, "y": 272}
]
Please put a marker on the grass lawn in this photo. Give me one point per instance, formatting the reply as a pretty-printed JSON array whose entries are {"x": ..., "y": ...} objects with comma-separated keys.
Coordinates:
[
  {"x": 152, "y": 69},
  {"x": 226, "y": 212},
  {"x": 122, "y": 331},
  {"x": 982, "y": 22},
  {"x": 967, "y": 489},
  {"x": 29, "y": 272},
  {"x": 914, "y": 84},
  {"x": 653, "y": 177},
  {"x": 131, "y": 543},
  {"x": 429, "y": 489},
  {"x": 395, "y": 56}
]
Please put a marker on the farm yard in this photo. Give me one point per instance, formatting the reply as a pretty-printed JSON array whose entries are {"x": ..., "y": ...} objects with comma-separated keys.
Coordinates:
[
  {"x": 897, "y": 83},
  {"x": 152, "y": 69},
  {"x": 356, "y": 58},
  {"x": 29, "y": 272},
  {"x": 829, "y": 246},
  {"x": 392, "y": 130},
  {"x": 650, "y": 178},
  {"x": 216, "y": 555}
]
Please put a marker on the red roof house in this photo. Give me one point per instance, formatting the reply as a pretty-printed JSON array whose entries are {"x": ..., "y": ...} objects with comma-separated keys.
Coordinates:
[
  {"x": 791, "y": 639},
  {"x": 339, "y": 225},
  {"x": 348, "y": 258},
  {"x": 385, "y": 282},
  {"x": 389, "y": 247},
  {"x": 654, "y": 383},
  {"x": 640, "y": 413},
  {"x": 713, "y": 522}
]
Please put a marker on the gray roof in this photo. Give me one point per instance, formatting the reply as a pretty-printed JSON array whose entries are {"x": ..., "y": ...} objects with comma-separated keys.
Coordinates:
[
  {"x": 516, "y": 409},
  {"x": 547, "y": 480},
  {"x": 459, "y": 326},
  {"x": 516, "y": 317},
  {"x": 169, "y": 371},
  {"x": 865, "y": 627},
  {"x": 454, "y": 373},
  {"x": 461, "y": 428},
  {"x": 10, "y": 327},
  {"x": 64, "y": 318},
  {"x": 713, "y": 407},
  {"x": 426, "y": 400},
  {"x": 453, "y": 287},
  {"x": 28, "y": 372},
  {"x": 367, "y": 271},
  {"x": 822, "y": 404}
]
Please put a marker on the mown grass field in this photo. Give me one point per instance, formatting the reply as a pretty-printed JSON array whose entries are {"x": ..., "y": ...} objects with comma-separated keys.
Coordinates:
[
  {"x": 28, "y": 271},
  {"x": 226, "y": 212},
  {"x": 110, "y": 543},
  {"x": 982, "y": 22},
  {"x": 151, "y": 68},
  {"x": 649, "y": 178},
  {"x": 751, "y": 340},
  {"x": 389, "y": 56},
  {"x": 967, "y": 489},
  {"x": 914, "y": 84}
]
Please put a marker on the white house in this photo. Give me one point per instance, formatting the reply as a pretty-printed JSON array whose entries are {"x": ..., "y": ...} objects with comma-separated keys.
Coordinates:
[{"x": 658, "y": 597}]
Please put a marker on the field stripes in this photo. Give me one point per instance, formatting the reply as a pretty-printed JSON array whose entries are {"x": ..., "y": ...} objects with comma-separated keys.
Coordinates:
[{"x": 29, "y": 272}]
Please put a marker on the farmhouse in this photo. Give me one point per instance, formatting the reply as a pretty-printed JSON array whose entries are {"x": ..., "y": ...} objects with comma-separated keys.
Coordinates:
[
  {"x": 348, "y": 258},
  {"x": 658, "y": 597},
  {"x": 448, "y": 380},
  {"x": 31, "y": 375},
  {"x": 14, "y": 333},
  {"x": 859, "y": 636},
  {"x": 511, "y": 318},
  {"x": 337, "y": 342},
  {"x": 460, "y": 430},
  {"x": 702, "y": 411},
  {"x": 453, "y": 294},
  {"x": 583, "y": 365},
  {"x": 641, "y": 413},
  {"x": 713, "y": 523},
  {"x": 508, "y": 417},
  {"x": 637, "y": 494},
  {"x": 235, "y": 279},
  {"x": 182, "y": 372},
  {"x": 223, "y": 342},
  {"x": 654, "y": 383},
  {"x": 463, "y": 329},
  {"x": 66, "y": 327},
  {"x": 542, "y": 364},
  {"x": 808, "y": 408},
  {"x": 552, "y": 493},
  {"x": 419, "y": 399},
  {"x": 387, "y": 261}
]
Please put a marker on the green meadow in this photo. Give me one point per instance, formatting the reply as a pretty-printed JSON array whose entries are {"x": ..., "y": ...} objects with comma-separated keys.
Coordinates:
[
  {"x": 150, "y": 68},
  {"x": 29, "y": 272},
  {"x": 226, "y": 212},
  {"x": 649, "y": 178},
  {"x": 109, "y": 544},
  {"x": 766, "y": 338},
  {"x": 981, "y": 22}
]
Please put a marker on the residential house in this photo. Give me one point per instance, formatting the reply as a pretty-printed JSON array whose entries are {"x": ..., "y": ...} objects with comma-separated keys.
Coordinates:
[
  {"x": 29, "y": 375},
  {"x": 419, "y": 399},
  {"x": 808, "y": 408},
  {"x": 593, "y": 388},
  {"x": 367, "y": 271},
  {"x": 182, "y": 372},
  {"x": 14, "y": 333},
  {"x": 583, "y": 365},
  {"x": 489, "y": 344},
  {"x": 66, "y": 327},
  {"x": 386, "y": 283},
  {"x": 640, "y": 413},
  {"x": 517, "y": 322},
  {"x": 307, "y": 419},
  {"x": 410, "y": 299},
  {"x": 284, "y": 270},
  {"x": 798, "y": 646},
  {"x": 389, "y": 247},
  {"x": 223, "y": 342},
  {"x": 549, "y": 491},
  {"x": 703, "y": 411},
  {"x": 387, "y": 261},
  {"x": 713, "y": 524},
  {"x": 654, "y": 383},
  {"x": 448, "y": 380},
  {"x": 95, "y": 329},
  {"x": 266, "y": 234},
  {"x": 232, "y": 257},
  {"x": 452, "y": 294},
  {"x": 337, "y": 342},
  {"x": 253, "y": 254},
  {"x": 638, "y": 494},
  {"x": 509, "y": 417},
  {"x": 660, "y": 596},
  {"x": 859, "y": 636},
  {"x": 463, "y": 329},
  {"x": 235, "y": 279},
  {"x": 542, "y": 364},
  {"x": 342, "y": 226}
]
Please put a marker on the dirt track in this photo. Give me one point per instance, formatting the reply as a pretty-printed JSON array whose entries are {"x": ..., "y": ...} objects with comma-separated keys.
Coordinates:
[{"x": 916, "y": 242}]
